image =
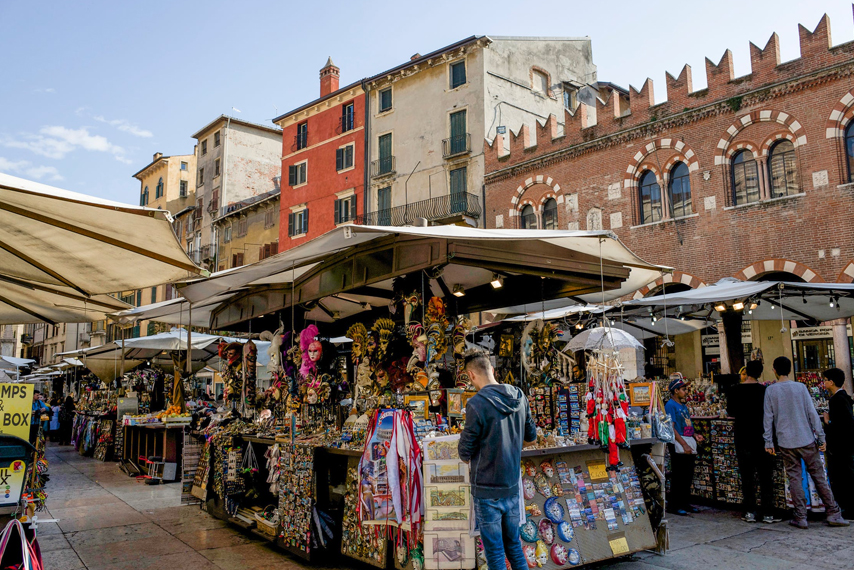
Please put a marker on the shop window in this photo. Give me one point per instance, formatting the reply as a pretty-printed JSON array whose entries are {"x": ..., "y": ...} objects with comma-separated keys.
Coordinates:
[
  {"x": 650, "y": 198},
  {"x": 783, "y": 170},
  {"x": 680, "y": 191},
  {"x": 849, "y": 150},
  {"x": 550, "y": 214},
  {"x": 528, "y": 218},
  {"x": 745, "y": 178}
]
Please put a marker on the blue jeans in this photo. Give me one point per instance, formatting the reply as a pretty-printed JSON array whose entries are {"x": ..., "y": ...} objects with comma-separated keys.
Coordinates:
[{"x": 498, "y": 521}]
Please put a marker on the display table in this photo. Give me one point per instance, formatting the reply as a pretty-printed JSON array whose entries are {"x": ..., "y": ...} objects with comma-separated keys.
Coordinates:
[{"x": 155, "y": 439}]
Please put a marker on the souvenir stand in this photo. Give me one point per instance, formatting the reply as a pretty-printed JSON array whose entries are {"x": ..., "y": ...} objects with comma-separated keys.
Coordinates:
[{"x": 330, "y": 456}]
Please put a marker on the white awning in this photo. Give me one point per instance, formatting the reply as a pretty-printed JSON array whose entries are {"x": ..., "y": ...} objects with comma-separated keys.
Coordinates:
[
  {"x": 90, "y": 245},
  {"x": 278, "y": 269},
  {"x": 23, "y": 302},
  {"x": 15, "y": 361},
  {"x": 174, "y": 312}
]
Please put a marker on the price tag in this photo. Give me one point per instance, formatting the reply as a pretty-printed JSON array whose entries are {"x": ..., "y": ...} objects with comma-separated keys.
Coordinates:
[
  {"x": 598, "y": 470},
  {"x": 619, "y": 546}
]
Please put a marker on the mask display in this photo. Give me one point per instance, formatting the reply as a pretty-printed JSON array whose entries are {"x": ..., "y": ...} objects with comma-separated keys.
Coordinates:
[{"x": 542, "y": 553}]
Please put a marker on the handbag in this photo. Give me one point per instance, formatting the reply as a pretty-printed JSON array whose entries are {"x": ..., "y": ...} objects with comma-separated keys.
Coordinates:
[
  {"x": 662, "y": 425},
  {"x": 16, "y": 551}
]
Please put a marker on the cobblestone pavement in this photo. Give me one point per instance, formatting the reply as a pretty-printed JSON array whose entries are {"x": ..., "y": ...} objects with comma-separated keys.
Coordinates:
[{"x": 109, "y": 521}]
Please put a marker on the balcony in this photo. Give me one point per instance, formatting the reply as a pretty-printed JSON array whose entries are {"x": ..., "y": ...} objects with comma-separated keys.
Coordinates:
[
  {"x": 456, "y": 146},
  {"x": 382, "y": 167},
  {"x": 300, "y": 141},
  {"x": 441, "y": 207},
  {"x": 206, "y": 252}
]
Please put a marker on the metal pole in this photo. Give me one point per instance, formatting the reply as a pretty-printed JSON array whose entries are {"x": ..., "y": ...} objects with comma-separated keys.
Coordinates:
[
  {"x": 123, "y": 352},
  {"x": 189, "y": 338}
]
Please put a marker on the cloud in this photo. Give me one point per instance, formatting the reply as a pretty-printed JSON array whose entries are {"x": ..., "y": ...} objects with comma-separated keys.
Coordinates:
[
  {"x": 57, "y": 141},
  {"x": 24, "y": 167},
  {"x": 126, "y": 126},
  {"x": 45, "y": 90}
]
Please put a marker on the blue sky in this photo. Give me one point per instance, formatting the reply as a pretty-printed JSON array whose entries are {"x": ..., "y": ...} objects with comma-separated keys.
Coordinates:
[{"x": 90, "y": 90}]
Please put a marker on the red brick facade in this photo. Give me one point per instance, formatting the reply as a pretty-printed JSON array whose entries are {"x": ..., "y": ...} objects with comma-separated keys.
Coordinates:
[{"x": 592, "y": 169}]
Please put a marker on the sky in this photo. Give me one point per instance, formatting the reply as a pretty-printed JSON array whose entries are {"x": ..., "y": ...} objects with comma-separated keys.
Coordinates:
[{"x": 89, "y": 91}]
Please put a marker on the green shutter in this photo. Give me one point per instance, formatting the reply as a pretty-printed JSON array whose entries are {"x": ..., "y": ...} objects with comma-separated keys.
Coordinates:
[{"x": 385, "y": 146}]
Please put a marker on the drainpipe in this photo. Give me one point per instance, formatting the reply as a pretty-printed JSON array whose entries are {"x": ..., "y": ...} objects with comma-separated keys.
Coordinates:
[
  {"x": 482, "y": 205},
  {"x": 367, "y": 157}
]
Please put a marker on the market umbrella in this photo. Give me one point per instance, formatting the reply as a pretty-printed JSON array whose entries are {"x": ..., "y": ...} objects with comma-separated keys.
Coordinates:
[
  {"x": 602, "y": 338},
  {"x": 76, "y": 246}
]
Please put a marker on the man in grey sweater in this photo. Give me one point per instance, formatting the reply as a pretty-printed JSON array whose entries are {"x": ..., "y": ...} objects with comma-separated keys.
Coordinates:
[{"x": 790, "y": 416}]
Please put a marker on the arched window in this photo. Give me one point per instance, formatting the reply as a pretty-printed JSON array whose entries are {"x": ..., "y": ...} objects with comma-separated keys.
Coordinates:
[
  {"x": 745, "y": 178},
  {"x": 680, "y": 191},
  {"x": 143, "y": 200},
  {"x": 528, "y": 219},
  {"x": 550, "y": 214},
  {"x": 783, "y": 170},
  {"x": 158, "y": 191},
  {"x": 650, "y": 198},
  {"x": 849, "y": 148}
]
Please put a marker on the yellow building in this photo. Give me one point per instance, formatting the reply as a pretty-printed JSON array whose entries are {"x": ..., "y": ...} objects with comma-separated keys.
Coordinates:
[
  {"x": 248, "y": 231},
  {"x": 166, "y": 183}
]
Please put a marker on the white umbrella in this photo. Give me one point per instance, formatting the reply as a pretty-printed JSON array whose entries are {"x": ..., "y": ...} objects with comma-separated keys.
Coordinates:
[{"x": 602, "y": 338}]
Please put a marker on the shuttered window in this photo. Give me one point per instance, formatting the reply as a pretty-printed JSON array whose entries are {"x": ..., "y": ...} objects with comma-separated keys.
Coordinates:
[
  {"x": 344, "y": 158},
  {"x": 298, "y": 223},
  {"x": 297, "y": 174},
  {"x": 458, "y": 74},
  {"x": 345, "y": 209}
]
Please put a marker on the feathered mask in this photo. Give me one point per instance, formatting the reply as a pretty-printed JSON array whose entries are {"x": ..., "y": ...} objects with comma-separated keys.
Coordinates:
[{"x": 307, "y": 342}]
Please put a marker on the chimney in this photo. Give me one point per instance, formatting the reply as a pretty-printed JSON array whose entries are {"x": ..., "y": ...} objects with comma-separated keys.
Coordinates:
[
  {"x": 415, "y": 56},
  {"x": 157, "y": 155},
  {"x": 329, "y": 78}
]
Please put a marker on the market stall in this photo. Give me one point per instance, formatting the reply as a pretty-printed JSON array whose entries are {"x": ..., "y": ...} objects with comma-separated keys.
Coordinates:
[{"x": 309, "y": 456}]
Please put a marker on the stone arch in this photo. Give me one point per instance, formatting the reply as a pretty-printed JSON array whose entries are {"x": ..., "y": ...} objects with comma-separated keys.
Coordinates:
[
  {"x": 742, "y": 145},
  {"x": 675, "y": 277},
  {"x": 769, "y": 141},
  {"x": 538, "y": 179},
  {"x": 840, "y": 116},
  {"x": 762, "y": 116},
  {"x": 847, "y": 274},
  {"x": 761, "y": 267},
  {"x": 684, "y": 153}
]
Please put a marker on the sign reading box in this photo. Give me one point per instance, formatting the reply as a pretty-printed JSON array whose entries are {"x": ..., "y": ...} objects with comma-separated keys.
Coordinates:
[{"x": 16, "y": 409}]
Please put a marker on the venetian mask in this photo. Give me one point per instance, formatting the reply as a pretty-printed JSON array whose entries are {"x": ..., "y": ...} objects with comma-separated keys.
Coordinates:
[
  {"x": 543, "y": 486},
  {"x": 372, "y": 344},
  {"x": 530, "y": 555},
  {"x": 534, "y": 510},
  {"x": 315, "y": 351},
  {"x": 528, "y": 488},
  {"x": 573, "y": 556},
  {"x": 547, "y": 531},
  {"x": 542, "y": 553},
  {"x": 547, "y": 468},
  {"x": 410, "y": 302},
  {"x": 559, "y": 554},
  {"x": 382, "y": 377},
  {"x": 530, "y": 468},
  {"x": 528, "y": 530}
]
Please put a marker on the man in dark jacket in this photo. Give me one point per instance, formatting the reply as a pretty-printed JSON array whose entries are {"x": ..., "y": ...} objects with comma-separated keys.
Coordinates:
[
  {"x": 839, "y": 430},
  {"x": 498, "y": 420}
]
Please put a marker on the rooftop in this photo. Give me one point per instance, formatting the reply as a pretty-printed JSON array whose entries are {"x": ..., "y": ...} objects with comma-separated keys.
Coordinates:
[{"x": 226, "y": 118}]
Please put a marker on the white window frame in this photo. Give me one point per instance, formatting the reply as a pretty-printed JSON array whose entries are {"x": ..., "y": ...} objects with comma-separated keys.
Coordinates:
[
  {"x": 352, "y": 166},
  {"x": 298, "y": 164},
  {"x": 379, "y": 98}
]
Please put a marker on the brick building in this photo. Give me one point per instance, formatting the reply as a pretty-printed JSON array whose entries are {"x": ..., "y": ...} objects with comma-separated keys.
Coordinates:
[
  {"x": 751, "y": 177},
  {"x": 323, "y": 161}
]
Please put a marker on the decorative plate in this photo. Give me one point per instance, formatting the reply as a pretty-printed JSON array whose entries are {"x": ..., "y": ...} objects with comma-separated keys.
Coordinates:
[
  {"x": 565, "y": 532},
  {"x": 528, "y": 530},
  {"x": 554, "y": 510}
]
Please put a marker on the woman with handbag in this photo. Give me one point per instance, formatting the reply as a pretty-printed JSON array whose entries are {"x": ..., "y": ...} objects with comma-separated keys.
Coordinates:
[{"x": 684, "y": 449}]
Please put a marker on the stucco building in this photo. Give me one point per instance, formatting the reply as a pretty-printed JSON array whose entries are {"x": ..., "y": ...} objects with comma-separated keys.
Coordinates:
[
  {"x": 248, "y": 231},
  {"x": 323, "y": 161},
  {"x": 426, "y": 119},
  {"x": 751, "y": 178},
  {"x": 235, "y": 160}
]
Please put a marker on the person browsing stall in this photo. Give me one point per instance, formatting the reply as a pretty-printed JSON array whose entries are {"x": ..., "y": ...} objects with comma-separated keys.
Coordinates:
[
  {"x": 791, "y": 419},
  {"x": 498, "y": 421},
  {"x": 746, "y": 405},
  {"x": 683, "y": 451},
  {"x": 839, "y": 428}
]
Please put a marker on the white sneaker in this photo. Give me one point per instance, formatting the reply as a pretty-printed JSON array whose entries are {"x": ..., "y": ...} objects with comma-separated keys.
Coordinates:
[
  {"x": 768, "y": 519},
  {"x": 749, "y": 517}
]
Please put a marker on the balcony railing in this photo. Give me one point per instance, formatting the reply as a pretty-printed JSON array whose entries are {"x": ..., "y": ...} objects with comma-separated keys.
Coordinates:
[
  {"x": 382, "y": 167},
  {"x": 453, "y": 146},
  {"x": 300, "y": 141},
  {"x": 345, "y": 123},
  {"x": 433, "y": 209}
]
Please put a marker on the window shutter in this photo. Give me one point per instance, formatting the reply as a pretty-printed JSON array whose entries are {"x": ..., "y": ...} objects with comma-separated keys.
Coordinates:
[
  {"x": 337, "y": 212},
  {"x": 339, "y": 159},
  {"x": 305, "y": 221},
  {"x": 353, "y": 207},
  {"x": 349, "y": 159},
  {"x": 234, "y": 260},
  {"x": 292, "y": 175},
  {"x": 274, "y": 248},
  {"x": 290, "y": 224},
  {"x": 261, "y": 253}
]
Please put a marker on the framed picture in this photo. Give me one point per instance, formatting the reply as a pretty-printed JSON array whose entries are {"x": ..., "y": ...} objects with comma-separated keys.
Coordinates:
[
  {"x": 466, "y": 396},
  {"x": 640, "y": 394},
  {"x": 455, "y": 403},
  {"x": 418, "y": 404},
  {"x": 505, "y": 347}
]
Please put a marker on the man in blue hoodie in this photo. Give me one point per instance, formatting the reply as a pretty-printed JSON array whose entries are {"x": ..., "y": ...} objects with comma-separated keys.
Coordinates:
[{"x": 498, "y": 420}]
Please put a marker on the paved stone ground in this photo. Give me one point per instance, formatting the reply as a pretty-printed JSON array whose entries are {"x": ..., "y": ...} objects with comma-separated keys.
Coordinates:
[{"x": 108, "y": 521}]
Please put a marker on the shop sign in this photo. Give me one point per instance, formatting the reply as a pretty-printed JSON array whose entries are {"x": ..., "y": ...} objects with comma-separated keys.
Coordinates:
[
  {"x": 712, "y": 342},
  {"x": 11, "y": 482},
  {"x": 16, "y": 408},
  {"x": 810, "y": 333}
]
